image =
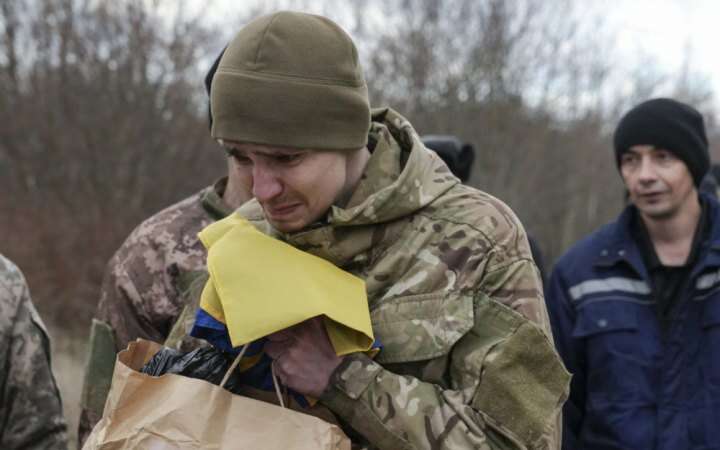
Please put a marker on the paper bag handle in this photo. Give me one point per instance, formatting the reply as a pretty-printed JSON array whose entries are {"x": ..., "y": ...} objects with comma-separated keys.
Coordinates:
[{"x": 235, "y": 364}]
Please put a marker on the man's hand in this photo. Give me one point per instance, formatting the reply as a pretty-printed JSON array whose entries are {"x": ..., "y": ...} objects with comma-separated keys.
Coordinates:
[{"x": 303, "y": 356}]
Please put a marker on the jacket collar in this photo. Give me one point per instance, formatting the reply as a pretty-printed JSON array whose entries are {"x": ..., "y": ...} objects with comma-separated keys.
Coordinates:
[
  {"x": 621, "y": 247},
  {"x": 710, "y": 249},
  {"x": 212, "y": 202}
]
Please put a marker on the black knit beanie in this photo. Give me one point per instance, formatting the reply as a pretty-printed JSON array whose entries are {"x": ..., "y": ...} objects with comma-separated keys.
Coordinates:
[
  {"x": 208, "y": 84},
  {"x": 670, "y": 125}
]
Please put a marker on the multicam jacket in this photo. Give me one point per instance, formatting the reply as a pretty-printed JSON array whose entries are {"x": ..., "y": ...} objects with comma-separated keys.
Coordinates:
[
  {"x": 143, "y": 292},
  {"x": 455, "y": 300},
  {"x": 30, "y": 409}
]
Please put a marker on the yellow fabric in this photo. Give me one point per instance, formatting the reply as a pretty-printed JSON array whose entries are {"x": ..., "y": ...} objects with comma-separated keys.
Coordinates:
[{"x": 259, "y": 285}]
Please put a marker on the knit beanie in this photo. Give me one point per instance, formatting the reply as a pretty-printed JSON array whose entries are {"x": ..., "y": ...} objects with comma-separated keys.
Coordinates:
[
  {"x": 670, "y": 125},
  {"x": 292, "y": 80}
]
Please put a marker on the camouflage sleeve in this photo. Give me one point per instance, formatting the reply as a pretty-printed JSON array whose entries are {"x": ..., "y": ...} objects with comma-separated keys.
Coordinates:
[
  {"x": 506, "y": 381},
  {"x": 127, "y": 298},
  {"x": 142, "y": 291},
  {"x": 30, "y": 411}
]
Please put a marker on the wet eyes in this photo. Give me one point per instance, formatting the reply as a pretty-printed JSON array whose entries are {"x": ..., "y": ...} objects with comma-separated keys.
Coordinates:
[
  {"x": 282, "y": 159},
  {"x": 287, "y": 159},
  {"x": 231, "y": 152},
  {"x": 242, "y": 160},
  {"x": 237, "y": 156}
]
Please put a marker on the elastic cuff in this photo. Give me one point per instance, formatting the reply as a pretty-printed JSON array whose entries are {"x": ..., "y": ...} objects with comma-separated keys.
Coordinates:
[{"x": 353, "y": 375}]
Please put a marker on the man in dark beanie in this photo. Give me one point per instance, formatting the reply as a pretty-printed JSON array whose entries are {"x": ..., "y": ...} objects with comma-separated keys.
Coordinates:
[
  {"x": 635, "y": 307},
  {"x": 670, "y": 125},
  {"x": 453, "y": 295}
]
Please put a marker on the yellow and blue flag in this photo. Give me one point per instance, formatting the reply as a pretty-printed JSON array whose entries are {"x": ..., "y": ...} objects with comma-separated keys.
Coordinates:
[{"x": 259, "y": 285}]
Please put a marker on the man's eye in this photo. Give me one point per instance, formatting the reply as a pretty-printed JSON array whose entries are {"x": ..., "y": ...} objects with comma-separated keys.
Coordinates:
[
  {"x": 238, "y": 157},
  {"x": 627, "y": 160},
  {"x": 288, "y": 159},
  {"x": 664, "y": 156},
  {"x": 242, "y": 160}
]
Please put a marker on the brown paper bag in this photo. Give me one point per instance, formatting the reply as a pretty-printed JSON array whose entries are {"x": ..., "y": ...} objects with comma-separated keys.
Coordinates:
[{"x": 173, "y": 412}]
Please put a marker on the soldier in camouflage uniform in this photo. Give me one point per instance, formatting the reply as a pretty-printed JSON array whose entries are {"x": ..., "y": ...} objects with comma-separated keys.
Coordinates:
[
  {"x": 454, "y": 297},
  {"x": 30, "y": 409},
  {"x": 144, "y": 291}
]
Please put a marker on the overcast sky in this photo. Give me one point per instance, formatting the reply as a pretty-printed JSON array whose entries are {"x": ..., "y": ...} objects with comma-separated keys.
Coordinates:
[{"x": 671, "y": 33}]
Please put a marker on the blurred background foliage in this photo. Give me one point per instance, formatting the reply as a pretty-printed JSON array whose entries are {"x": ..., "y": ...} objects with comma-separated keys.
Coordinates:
[{"x": 103, "y": 118}]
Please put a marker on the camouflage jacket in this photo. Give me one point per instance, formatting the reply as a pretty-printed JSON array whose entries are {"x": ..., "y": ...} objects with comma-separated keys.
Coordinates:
[
  {"x": 30, "y": 408},
  {"x": 455, "y": 299},
  {"x": 141, "y": 295},
  {"x": 143, "y": 291}
]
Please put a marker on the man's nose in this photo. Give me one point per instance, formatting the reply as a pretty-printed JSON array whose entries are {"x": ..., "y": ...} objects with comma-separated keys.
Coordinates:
[
  {"x": 647, "y": 170},
  {"x": 266, "y": 185}
]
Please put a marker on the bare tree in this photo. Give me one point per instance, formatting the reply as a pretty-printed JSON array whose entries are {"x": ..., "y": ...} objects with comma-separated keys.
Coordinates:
[{"x": 104, "y": 124}]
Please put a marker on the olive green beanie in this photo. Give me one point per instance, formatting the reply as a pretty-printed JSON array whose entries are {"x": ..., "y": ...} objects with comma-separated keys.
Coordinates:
[{"x": 292, "y": 80}]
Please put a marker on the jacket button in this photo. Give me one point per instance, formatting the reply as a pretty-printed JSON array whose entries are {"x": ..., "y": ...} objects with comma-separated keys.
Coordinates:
[
  {"x": 602, "y": 323},
  {"x": 621, "y": 252},
  {"x": 604, "y": 253}
]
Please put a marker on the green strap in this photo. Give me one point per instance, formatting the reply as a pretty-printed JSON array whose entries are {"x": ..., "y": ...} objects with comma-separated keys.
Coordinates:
[{"x": 99, "y": 368}]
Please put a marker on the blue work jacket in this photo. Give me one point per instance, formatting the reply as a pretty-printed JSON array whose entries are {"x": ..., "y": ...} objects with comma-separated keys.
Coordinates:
[{"x": 636, "y": 385}]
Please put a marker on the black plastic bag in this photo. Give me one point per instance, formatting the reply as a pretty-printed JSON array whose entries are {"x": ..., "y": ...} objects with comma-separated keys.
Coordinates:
[{"x": 206, "y": 363}]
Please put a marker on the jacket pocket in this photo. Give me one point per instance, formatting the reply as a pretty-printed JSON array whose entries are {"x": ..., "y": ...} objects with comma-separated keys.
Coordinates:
[
  {"x": 605, "y": 316},
  {"x": 622, "y": 358},
  {"x": 522, "y": 383},
  {"x": 420, "y": 327},
  {"x": 609, "y": 329}
]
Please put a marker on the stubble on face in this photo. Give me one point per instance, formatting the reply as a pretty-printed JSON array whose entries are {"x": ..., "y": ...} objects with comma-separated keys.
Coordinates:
[
  {"x": 297, "y": 187},
  {"x": 659, "y": 184}
]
